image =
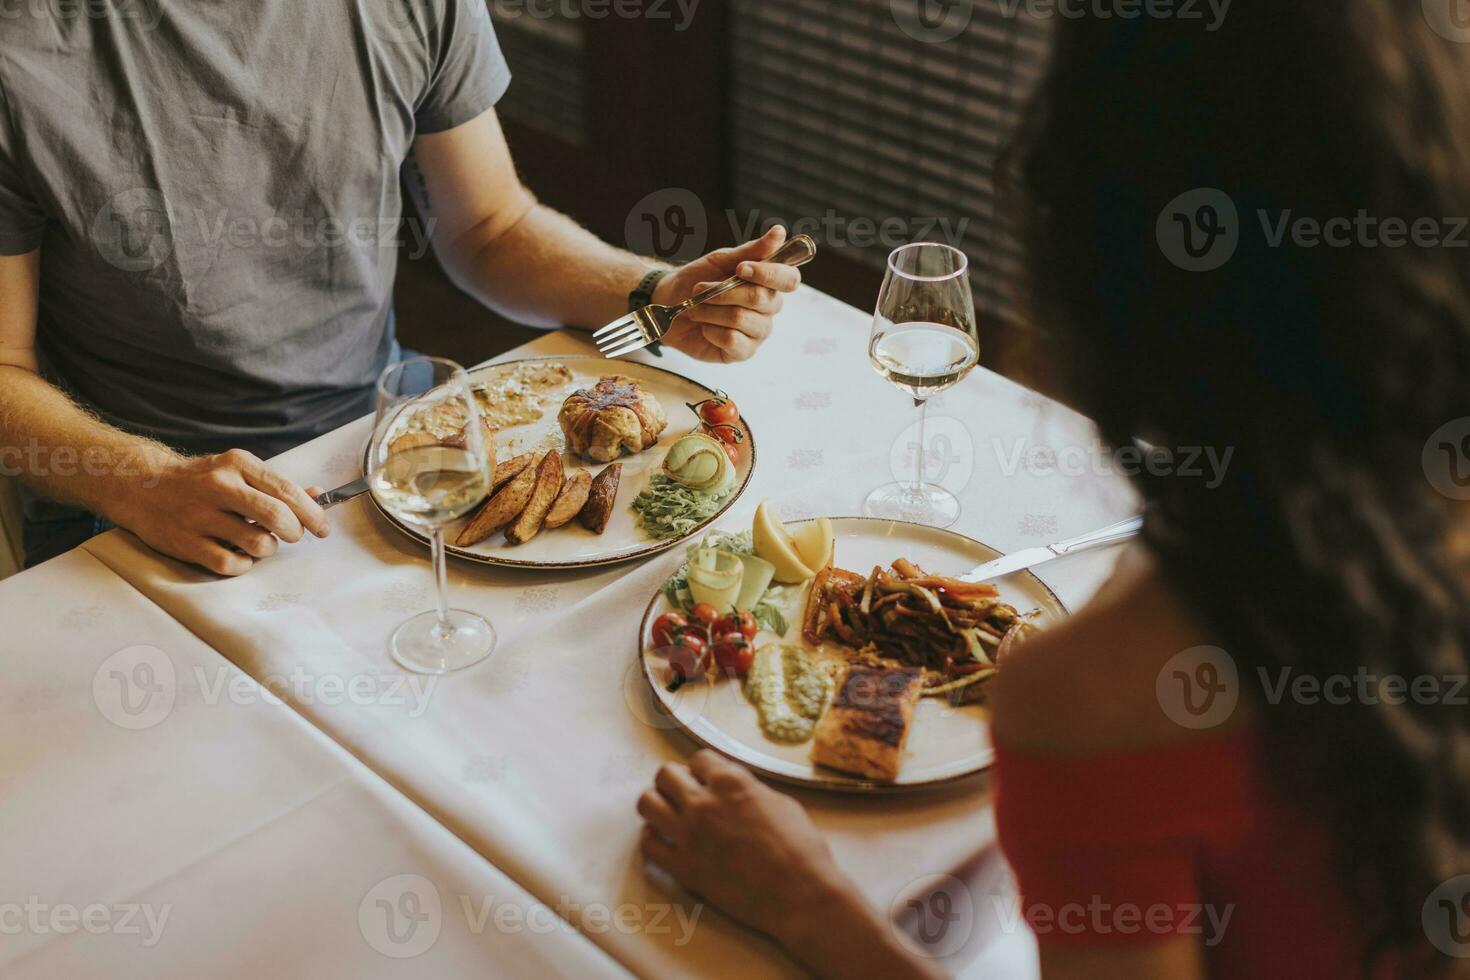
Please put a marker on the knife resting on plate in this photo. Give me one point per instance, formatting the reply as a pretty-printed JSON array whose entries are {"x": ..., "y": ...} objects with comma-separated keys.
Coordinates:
[{"x": 1019, "y": 561}]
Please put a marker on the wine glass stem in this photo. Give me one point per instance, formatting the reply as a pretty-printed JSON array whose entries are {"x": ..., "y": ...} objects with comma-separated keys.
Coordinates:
[
  {"x": 441, "y": 579},
  {"x": 918, "y": 488}
]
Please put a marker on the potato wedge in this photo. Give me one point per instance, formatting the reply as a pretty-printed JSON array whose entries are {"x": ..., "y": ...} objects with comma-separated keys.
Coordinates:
[
  {"x": 571, "y": 500},
  {"x": 600, "y": 499},
  {"x": 413, "y": 440},
  {"x": 509, "y": 470},
  {"x": 549, "y": 477},
  {"x": 503, "y": 508}
]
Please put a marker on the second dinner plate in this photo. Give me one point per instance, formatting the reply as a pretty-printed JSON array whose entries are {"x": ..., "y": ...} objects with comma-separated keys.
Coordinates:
[
  {"x": 574, "y": 546},
  {"x": 945, "y": 744}
]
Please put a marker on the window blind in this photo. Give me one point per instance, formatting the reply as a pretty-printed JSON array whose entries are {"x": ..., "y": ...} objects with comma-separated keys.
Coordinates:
[
  {"x": 547, "y": 55},
  {"x": 841, "y": 112}
]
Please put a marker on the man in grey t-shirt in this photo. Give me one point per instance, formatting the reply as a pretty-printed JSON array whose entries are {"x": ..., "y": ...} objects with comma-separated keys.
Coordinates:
[{"x": 198, "y": 212}]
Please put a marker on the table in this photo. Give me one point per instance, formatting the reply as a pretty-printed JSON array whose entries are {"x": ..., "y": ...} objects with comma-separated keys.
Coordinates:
[
  {"x": 536, "y": 757},
  {"x": 165, "y": 817}
]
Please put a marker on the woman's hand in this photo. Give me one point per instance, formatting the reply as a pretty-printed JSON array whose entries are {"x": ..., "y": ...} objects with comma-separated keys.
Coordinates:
[
  {"x": 756, "y": 854},
  {"x": 748, "y": 849},
  {"x": 733, "y": 326}
]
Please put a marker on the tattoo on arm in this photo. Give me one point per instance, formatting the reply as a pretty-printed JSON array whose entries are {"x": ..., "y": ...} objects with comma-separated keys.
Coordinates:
[{"x": 418, "y": 185}]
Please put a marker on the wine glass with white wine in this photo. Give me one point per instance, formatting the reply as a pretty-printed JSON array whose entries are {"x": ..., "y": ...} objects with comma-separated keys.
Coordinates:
[
  {"x": 924, "y": 340},
  {"x": 429, "y": 466}
]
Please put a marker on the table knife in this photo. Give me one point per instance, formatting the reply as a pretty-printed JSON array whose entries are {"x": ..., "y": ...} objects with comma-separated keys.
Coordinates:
[
  {"x": 341, "y": 495},
  {"x": 1031, "y": 557}
]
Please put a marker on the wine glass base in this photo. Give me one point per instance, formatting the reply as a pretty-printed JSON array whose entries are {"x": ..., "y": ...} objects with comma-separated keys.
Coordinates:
[
  {"x": 422, "y": 646},
  {"x": 930, "y": 505}
]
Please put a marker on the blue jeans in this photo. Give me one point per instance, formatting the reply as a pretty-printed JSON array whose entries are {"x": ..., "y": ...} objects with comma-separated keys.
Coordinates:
[{"x": 44, "y": 540}]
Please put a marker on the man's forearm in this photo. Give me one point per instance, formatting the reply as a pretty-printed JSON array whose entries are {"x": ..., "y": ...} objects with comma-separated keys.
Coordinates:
[
  {"x": 54, "y": 447},
  {"x": 547, "y": 269}
]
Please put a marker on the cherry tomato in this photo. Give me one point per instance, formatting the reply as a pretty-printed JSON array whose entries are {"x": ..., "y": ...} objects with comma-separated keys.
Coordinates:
[
  {"x": 705, "y": 613},
  {"x": 733, "y": 451},
  {"x": 728, "y": 434},
  {"x": 737, "y": 622},
  {"x": 666, "y": 628},
  {"x": 718, "y": 411},
  {"x": 689, "y": 659},
  {"x": 734, "y": 654}
]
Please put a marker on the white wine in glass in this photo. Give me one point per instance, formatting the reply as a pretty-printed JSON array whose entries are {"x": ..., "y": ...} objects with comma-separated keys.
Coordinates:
[
  {"x": 431, "y": 487},
  {"x": 924, "y": 341}
]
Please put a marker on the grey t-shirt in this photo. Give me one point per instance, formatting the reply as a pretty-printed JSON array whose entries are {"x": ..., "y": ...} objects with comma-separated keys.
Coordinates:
[{"x": 215, "y": 188}]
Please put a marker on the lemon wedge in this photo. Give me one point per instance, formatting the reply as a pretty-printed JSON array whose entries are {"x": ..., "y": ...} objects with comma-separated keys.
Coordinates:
[
  {"x": 776, "y": 546},
  {"x": 814, "y": 543}
]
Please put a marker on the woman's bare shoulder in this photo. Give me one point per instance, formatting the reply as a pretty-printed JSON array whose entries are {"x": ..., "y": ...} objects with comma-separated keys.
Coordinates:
[{"x": 1091, "y": 685}]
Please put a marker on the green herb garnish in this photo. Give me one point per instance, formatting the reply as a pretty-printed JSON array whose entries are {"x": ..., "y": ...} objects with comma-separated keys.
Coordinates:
[{"x": 669, "y": 509}]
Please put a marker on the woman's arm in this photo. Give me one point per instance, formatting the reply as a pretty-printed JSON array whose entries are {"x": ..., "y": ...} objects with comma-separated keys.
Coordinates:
[{"x": 756, "y": 855}]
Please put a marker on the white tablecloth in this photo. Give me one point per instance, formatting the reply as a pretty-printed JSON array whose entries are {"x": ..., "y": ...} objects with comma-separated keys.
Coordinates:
[
  {"x": 163, "y": 817},
  {"x": 536, "y": 757}
]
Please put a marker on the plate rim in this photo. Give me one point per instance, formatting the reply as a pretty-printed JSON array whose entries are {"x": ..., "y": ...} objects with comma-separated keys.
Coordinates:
[
  {"x": 850, "y": 785},
  {"x": 652, "y": 547}
]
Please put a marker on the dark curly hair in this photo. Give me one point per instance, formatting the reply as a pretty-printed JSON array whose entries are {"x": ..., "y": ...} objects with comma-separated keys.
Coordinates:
[{"x": 1326, "y": 550}]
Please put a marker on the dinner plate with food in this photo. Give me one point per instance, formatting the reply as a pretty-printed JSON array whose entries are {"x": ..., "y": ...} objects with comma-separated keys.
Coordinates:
[
  {"x": 840, "y": 653},
  {"x": 595, "y": 462}
]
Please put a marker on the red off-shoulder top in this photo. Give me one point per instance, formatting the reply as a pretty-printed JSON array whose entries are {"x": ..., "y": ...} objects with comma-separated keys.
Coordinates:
[{"x": 1141, "y": 847}]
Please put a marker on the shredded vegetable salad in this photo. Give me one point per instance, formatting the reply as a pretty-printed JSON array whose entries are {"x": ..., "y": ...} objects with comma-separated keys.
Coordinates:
[{"x": 669, "y": 509}]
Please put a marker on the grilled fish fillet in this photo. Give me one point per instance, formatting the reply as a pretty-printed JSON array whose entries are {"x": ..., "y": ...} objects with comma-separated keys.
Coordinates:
[{"x": 865, "y": 729}]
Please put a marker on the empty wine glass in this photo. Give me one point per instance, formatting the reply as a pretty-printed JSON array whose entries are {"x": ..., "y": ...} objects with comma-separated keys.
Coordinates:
[
  {"x": 924, "y": 340},
  {"x": 429, "y": 466}
]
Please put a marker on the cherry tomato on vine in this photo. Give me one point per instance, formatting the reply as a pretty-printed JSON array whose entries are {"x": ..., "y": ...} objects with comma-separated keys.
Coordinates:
[
  {"x": 719, "y": 410},
  {"x": 734, "y": 654},
  {"x": 705, "y": 613},
  {"x": 737, "y": 622},
  {"x": 668, "y": 627},
  {"x": 690, "y": 658}
]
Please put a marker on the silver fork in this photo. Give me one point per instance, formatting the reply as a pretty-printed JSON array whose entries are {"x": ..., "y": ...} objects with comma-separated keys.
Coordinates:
[{"x": 648, "y": 325}]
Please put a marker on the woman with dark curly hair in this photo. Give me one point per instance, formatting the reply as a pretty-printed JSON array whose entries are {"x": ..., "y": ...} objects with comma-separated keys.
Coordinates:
[{"x": 1322, "y": 332}]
